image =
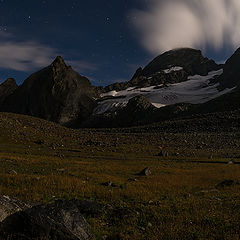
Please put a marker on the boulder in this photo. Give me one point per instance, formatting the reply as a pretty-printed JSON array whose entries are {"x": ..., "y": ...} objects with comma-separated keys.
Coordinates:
[
  {"x": 145, "y": 172},
  {"x": 227, "y": 183},
  {"x": 163, "y": 153},
  {"x": 9, "y": 206},
  {"x": 60, "y": 220}
]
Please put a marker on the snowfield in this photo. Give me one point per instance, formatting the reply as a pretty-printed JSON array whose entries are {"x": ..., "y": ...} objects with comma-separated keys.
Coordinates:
[{"x": 196, "y": 90}]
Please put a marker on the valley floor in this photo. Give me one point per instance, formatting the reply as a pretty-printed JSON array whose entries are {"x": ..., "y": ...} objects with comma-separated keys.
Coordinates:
[{"x": 181, "y": 199}]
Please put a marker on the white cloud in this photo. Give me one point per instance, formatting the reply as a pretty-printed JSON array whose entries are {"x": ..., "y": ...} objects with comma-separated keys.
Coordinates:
[
  {"x": 25, "y": 55},
  {"x": 188, "y": 23},
  {"x": 28, "y": 56}
]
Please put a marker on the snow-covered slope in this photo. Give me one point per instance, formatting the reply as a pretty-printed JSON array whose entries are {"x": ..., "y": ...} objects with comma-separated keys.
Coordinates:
[{"x": 198, "y": 89}]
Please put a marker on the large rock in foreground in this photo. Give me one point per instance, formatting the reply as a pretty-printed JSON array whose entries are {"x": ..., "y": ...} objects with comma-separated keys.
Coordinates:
[
  {"x": 61, "y": 220},
  {"x": 10, "y": 206}
]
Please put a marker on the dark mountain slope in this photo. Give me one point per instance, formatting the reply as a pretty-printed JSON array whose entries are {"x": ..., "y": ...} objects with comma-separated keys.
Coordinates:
[
  {"x": 231, "y": 72},
  {"x": 7, "y": 88},
  {"x": 56, "y": 93}
]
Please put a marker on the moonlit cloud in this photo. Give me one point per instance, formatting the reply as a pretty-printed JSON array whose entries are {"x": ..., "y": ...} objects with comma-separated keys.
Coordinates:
[
  {"x": 23, "y": 56},
  {"x": 169, "y": 24},
  {"x": 28, "y": 56}
]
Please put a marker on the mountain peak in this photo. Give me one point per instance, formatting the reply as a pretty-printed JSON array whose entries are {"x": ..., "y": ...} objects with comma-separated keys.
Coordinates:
[
  {"x": 59, "y": 61},
  {"x": 192, "y": 60},
  {"x": 185, "y": 50}
]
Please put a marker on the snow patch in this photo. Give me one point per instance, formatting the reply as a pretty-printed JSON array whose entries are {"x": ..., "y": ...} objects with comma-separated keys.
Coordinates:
[
  {"x": 197, "y": 89},
  {"x": 173, "y": 69},
  {"x": 109, "y": 94}
]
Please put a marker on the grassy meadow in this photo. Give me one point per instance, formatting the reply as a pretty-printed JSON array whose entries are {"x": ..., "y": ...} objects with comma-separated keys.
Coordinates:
[{"x": 181, "y": 199}]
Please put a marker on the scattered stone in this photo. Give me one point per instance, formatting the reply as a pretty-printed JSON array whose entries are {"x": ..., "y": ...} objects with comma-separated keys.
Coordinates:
[
  {"x": 163, "y": 153},
  {"x": 59, "y": 155},
  {"x": 109, "y": 184},
  {"x": 61, "y": 220},
  {"x": 227, "y": 183},
  {"x": 145, "y": 172},
  {"x": 39, "y": 142},
  {"x": 123, "y": 186},
  {"x": 13, "y": 172},
  {"x": 203, "y": 192},
  {"x": 9, "y": 206},
  {"x": 149, "y": 225},
  {"x": 132, "y": 180}
]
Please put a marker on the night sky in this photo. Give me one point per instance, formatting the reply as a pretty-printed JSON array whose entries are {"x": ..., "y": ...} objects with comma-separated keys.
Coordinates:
[{"x": 96, "y": 37}]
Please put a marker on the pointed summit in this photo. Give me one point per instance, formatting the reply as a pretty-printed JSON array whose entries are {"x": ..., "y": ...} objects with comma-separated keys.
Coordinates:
[
  {"x": 56, "y": 93},
  {"x": 59, "y": 62}
]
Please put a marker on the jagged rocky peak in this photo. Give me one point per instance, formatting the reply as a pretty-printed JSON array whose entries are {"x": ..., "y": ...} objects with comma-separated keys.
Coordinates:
[
  {"x": 59, "y": 65},
  {"x": 138, "y": 73},
  {"x": 59, "y": 61},
  {"x": 191, "y": 60},
  {"x": 173, "y": 66},
  {"x": 7, "y": 88},
  {"x": 55, "y": 93}
]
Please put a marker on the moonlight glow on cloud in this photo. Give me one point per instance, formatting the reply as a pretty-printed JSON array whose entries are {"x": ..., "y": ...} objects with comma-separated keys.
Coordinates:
[{"x": 189, "y": 23}]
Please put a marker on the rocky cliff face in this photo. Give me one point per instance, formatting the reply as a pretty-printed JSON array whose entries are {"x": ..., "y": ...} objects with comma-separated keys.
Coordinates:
[
  {"x": 7, "y": 88},
  {"x": 56, "y": 93}
]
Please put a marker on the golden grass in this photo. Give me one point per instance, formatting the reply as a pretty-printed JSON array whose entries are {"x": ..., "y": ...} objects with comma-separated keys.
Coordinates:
[{"x": 178, "y": 201}]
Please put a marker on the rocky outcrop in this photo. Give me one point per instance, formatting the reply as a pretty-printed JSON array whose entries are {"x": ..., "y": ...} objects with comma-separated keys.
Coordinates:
[
  {"x": 137, "y": 111},
  {"x": 7, "y": 88},
  {"x": 56, "y": 93},
  {"x": 8, "y": 206},
  {"x": 60, "y": 220}
]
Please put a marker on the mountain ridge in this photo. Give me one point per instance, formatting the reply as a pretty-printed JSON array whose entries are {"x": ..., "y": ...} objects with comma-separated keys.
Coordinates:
[{"x": 182, "y": 78}]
